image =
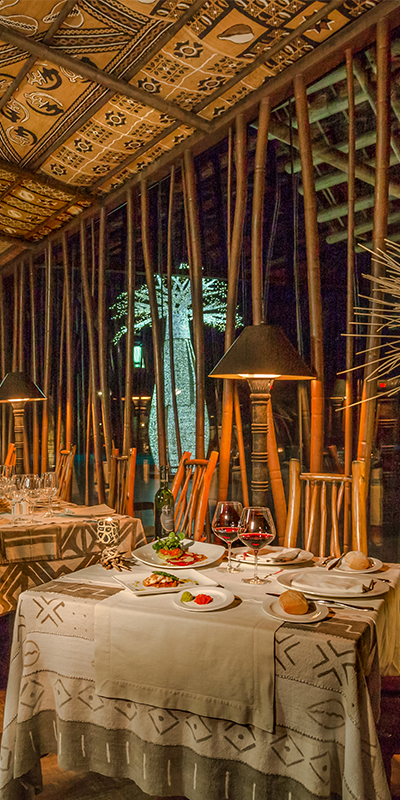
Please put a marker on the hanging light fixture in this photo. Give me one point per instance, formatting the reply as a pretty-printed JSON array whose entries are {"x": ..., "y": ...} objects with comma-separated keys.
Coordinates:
[{"x": 17, "y": 388}]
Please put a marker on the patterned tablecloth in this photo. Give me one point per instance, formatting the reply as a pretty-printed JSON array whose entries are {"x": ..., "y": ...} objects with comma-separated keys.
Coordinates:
[
  {"x": 324, "y": 744},
  {"x": 32, "y": 555}
]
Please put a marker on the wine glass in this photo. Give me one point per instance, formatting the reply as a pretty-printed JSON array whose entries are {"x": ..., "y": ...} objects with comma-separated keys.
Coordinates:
[
  {"x": 13, "y": 493},
  {"x": 31, "y": 488},
  {"x": 49, "y": 487},
  {"x": 256, "y": 528},
  {"x": 225, "y": 524}
]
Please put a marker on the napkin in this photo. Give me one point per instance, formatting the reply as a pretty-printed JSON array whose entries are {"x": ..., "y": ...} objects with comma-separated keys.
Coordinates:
[
  {"x": 329, "y": 583},
  {"x": 271, "y": 556},
  {"x": 88, "y": 511}
]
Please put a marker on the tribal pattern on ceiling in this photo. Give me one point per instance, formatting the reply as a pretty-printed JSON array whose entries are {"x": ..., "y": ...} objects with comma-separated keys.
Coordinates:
[{"x": 95, "y": 90}]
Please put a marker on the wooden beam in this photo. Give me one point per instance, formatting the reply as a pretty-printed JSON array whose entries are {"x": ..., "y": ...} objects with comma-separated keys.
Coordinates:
[
  {"x": 46, "y": 181},
  {"x": 61, "y": 59}
]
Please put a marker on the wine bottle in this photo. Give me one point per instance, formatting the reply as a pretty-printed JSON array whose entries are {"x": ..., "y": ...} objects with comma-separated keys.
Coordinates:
[{"x": 163, "y": 507}]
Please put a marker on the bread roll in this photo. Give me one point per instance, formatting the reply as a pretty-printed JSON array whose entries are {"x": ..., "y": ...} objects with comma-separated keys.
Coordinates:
[
  {"x": 293, "y": 602},
  {"x": 357, "y": 560}
]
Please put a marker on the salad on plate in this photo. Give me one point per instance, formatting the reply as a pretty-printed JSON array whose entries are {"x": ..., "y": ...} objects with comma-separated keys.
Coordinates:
[{"x": 173, "y": 552}]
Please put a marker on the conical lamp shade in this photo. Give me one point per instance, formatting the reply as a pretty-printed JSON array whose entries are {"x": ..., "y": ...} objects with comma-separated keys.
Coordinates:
[
  {"x": 18, "y": 387},
  {"x": 263, "y": 351}
]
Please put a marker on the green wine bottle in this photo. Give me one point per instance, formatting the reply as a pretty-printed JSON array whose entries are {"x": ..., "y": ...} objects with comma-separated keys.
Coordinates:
[{"x": 163, "y": 507}]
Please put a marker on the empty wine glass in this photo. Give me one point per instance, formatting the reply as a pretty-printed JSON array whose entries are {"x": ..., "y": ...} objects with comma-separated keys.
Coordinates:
[
  {"x": 13, "y": 493},
  {"x": 32, "y": 491},
  {"x": 6, "y": 472},
  {"x": 256, "y": 528},
  {"x": 49, "y": 488},
  {"x": 225, "y": 524}
]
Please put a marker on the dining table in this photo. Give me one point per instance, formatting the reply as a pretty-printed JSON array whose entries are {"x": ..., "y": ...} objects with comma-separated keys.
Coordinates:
[
  {"x": 44, "y": 548},
  {"x": 235, "y": 704}
]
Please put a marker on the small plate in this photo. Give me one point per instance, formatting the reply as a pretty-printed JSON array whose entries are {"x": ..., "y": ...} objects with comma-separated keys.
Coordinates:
[
  {"x": 376, "y": 564},
  {"x": 187, "y": 579},
  {"x": 245, "y": 556},
  {"x": 221, "y": 599},
  {"x": 146, "y": 555},
  {"x": 287, "y": 578},
  {"x": 316, "y": 612}
]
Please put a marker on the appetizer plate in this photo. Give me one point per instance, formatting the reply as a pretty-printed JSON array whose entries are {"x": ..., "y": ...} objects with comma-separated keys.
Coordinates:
[
  {"x": 315, "y": 585},
  {"x": 146, "y": 555},
  {"x": 221, "y": 598},
  {"x": 343, "y": 569},
  {"x": 245, "y": 556},
  {"x": 316, "y": 612},
  {"x": 188, "y": 579}
]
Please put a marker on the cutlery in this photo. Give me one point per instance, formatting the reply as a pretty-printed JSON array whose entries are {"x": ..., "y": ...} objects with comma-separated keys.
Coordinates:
[{"x": 335, "y": 562}]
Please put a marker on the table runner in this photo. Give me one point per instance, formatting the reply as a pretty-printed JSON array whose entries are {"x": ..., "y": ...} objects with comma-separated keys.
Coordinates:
[{"x": 148, "y": 651}]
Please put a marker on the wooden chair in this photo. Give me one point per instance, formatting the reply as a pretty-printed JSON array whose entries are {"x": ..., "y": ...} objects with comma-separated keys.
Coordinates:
[
  {"x": 191, "y": 489},
  {"x": 122, "y": 483},
  {"x": 317, "y": 509},
  {"x": 11, "y": 456},
  {"x": 64, "y": 467}
]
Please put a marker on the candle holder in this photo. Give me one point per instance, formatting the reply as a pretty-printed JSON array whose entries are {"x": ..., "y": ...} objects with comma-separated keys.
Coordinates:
[{"x": 107, "y": 532}]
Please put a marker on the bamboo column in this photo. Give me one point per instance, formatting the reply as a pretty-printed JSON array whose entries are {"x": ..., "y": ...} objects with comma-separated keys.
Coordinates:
[
  {"x": 98, "y": 450},
  {"x": 348, "y": 414},
  {"x": 35, "y": 410},
  {"x": 68, "y": 347},
  {"x": 3, "y": 373},
  {"x": 102, "y": 328},
  {"x": 47, "y": 353},
  {"x": 368, "y": 406},
  {"x": 170, "y": 314},
  {"x": 21, "y": 340},
  {"x": 234, "y": 253},
  {"x": 197, "y": 301},
  {"x": 242, "y": 459},
  {"x": 313, "y": 272},
  {"x": 60, "y": 381},
  {"x": 130, "y": 318},
  {"x": 155, "y": 324}
]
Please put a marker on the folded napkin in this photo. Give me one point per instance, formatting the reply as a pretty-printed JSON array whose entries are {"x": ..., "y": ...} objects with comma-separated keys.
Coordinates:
[
  {"x": 101, "y": 510},
  {"x": 273, "y": 556},
  {"x": 315, "y": 582}
]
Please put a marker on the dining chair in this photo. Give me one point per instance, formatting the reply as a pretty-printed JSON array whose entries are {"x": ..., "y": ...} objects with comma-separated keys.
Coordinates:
[
  {"x": 323, "y": 501},
  {"x": 122, "y": 482},
  {"x": 191, "y": 489},
  {"x": 11, "y": 456},
  {"x": 63, "y": 470}
]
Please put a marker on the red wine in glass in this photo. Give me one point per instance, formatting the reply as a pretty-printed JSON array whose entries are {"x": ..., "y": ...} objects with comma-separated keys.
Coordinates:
[
  {"x": 256, "y": 529},
  {"x": 225, "y": 524}
]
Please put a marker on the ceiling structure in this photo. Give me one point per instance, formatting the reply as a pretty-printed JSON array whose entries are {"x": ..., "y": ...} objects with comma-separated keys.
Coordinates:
[{"x": 95, "y": 91}]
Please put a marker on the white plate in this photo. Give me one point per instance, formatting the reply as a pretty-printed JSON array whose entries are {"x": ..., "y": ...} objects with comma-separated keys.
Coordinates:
[
  {"x": 317, "y": 611},
  {"x": 149, "y": 556},
  {"x": 221, "y": 599},
  {"x": 286, "y": 579},
  {"x": 134, "y": 582},
  {"x": 344, "y": 569},
  {"x": 245, "y": 556}
]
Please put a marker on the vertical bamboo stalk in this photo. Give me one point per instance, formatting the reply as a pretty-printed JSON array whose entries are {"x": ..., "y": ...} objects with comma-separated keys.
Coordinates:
[
  {"x": 98, "y": 452},
  {"x": 60, "y": 381},
  {"x": 197, "y": 301},
  {"x": 87, "y": 459},
  {"x": 380, "y": 231},
  {"x": 69, "y": 400},
  {"x": 242, "y": 458},
  {"x": 21, "y": 316},
  {"x": 229, "y": 196},
  {"x": 3, "y": 373},
  {"x": 234, "y": 250},
  {"x": 170, "y": 315},
  {"x": 35, "y": 410},
  {"x": 15, "y": 320},
  {"x": 348, "y": 413},
  {"x": 313, "y": 272},
  {"x": 47, "y": 353},
  {"x": 155, "y": 323},
  {"x": 130, "y": 319},
  {"x": 258, "y": 211},
  {"x": 102, "y": 327}
]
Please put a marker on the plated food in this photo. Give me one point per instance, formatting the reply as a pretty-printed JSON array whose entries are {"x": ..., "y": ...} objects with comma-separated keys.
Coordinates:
[
  {"x": 173, "y": 551},
  {"x": 199, "y": 554},
  {"x": 163, "y": 582},
  {"x": 293, "y": 602},
  {"x": 344, "y": 568},
  {"x": 212, "y": 599},
  {"x": 315, "y": 613}
]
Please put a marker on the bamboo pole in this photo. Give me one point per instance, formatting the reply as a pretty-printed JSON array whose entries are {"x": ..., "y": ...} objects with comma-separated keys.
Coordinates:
[
  {"x": 69, "y": 400},
  {"x": 242, "y": 457},
  {"x": 21, "y": 340},
  {"x": 170, "y": 314},
  {"x": 258, "y": 212},
  {"x": 348, "y": 413},
  {"x": 60, "y": 381},
  {"x": 102, "y": 336},
  {"x": 87, "y": 459},
  {"x": 155, "y": 324},
  {"x": 3, "y": 372},
  {"x": 368, "y": 405},
  {"x": 197, "y": 301},
  {"x": 234, "y": 250},
  {"x": 98, "y": 450},
  {"x": 14, "y": 366},
  {"x": 130, "y": 319},
  {"x": 313, "y": 272},
  {"x": 35, "y": 410},
  {"x": 47, "y": 354}
]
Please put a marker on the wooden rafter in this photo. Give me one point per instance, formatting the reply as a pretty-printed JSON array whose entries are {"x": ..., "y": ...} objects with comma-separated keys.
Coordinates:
[
  {"x": 46, "y": 181},
  {"x": 118, "y": 86}
]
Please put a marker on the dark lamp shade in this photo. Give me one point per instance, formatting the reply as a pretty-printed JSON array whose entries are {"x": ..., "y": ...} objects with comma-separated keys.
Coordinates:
[
  {"x": 18, "y": 387},
  {"x": 263, "y": 351}
]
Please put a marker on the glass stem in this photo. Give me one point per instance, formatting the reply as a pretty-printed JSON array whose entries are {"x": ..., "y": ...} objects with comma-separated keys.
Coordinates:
[
  {"x": 229, "y": 567},
  {"x": 255, "y": 576}
]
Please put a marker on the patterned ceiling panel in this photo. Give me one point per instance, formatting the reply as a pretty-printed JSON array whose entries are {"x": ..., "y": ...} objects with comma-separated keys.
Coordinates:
[{"x": 64, "y": 119}]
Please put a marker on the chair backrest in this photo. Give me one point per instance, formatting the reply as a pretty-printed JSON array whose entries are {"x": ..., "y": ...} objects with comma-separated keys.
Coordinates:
[
  {"x": 122, "y": 483},
  {"x": 11, "y": 457},
  {"x": 322, "y": 513},
  {"x": 63, "y": 469},
  {"x": 191, "y": 495}
]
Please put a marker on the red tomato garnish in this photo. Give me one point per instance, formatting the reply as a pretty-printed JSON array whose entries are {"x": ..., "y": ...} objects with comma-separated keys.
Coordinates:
[
  {"x": 171, "y": 553},
  {"x": 203, "y": 599}
]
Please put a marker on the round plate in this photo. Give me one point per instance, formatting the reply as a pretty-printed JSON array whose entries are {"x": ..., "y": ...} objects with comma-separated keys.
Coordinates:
[
  {"x": 316, "y": 612},
  {"x": 245, "y": 556},
  {"x": 345, "y": 570},
  {"x": 286, "y": 579},
  {"x": 146, "y": 555},
  {"x": 221, "y": 599}
]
